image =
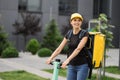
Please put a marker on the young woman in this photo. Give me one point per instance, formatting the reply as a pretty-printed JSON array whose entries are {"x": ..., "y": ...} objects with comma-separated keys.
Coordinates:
[{"x": 76, "y": 60}]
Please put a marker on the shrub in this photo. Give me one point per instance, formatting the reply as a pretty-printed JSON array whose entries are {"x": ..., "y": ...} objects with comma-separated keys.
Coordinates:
[
  {"x": 52, "y": 36},
  {"x": 33, "y": 46},
  {"x": 4, "y": 43},
  {"x": 9, "y": 53},
  {"x": 44, "y": 52}
]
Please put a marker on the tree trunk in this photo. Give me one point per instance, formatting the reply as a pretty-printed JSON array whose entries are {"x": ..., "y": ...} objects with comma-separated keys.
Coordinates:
[{"x": 104, "y": 61}]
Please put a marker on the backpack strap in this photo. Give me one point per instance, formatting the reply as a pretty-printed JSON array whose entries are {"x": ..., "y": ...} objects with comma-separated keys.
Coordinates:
[
  {"x": 69, "y": 34},
  {"x": 81, "y": 34}
]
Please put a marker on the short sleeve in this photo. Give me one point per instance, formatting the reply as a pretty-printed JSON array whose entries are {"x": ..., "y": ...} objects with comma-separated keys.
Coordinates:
[{"x": 86, "y": 34}]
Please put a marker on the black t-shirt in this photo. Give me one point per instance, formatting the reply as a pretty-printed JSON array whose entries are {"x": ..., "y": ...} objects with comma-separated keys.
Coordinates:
[{"x": 72, "y": 45}]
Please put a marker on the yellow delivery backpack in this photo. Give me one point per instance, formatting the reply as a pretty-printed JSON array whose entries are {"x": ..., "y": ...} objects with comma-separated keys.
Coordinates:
[
  {"x": 98, "y": 48},
  {"x": 95, "y": 47}
]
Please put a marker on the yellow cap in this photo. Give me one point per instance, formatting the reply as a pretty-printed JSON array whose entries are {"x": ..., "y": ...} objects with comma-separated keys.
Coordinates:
[{"x": 76, "y": 15}]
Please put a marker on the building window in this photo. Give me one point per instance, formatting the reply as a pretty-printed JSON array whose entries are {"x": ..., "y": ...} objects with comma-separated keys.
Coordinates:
[
  {"x": 66, "y": 7},
  {"x": 97, "y": 8},
  {"x": 30, "y": 5}
]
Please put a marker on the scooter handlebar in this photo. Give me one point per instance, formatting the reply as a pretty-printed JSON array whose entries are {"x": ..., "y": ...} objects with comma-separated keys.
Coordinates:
[
  {"x": 57, "y": 60},
  {"x": 51, "y": 63}
]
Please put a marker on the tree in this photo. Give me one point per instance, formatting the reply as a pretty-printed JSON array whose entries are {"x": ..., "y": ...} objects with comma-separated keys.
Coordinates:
[
  {"x": 52, "y": 36},
  {"x": 105, "y": 28},
  {"x": 29, "y": 26}
]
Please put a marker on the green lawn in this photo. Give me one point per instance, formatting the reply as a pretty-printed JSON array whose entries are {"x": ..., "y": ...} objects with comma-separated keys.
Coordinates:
[
  {"x": 19, "y": 75},
  {"x": 113, "y": 69},
  {"x": 23, "y": 75}
]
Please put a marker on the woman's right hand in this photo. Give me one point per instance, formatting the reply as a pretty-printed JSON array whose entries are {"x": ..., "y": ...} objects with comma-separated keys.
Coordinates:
[{"x": 49, "y": 60}]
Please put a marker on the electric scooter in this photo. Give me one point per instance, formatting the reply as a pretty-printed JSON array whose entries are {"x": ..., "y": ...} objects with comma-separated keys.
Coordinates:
[{"x": 57, "y": 63}]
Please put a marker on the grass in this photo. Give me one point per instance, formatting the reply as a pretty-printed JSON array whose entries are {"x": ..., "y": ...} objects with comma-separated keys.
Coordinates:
[
  {"x": 111, "y": 69},
  {"x": 19, "y": 75},
  {"x": 23, "y": 75},
  {"x": 62, "y": 72}
]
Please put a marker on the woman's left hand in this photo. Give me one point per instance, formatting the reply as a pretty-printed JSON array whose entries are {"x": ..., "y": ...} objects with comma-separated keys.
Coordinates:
[{"x": 64, "y": 64}]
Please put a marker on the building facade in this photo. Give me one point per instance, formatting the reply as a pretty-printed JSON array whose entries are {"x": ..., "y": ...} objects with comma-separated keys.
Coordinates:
[{"x": 59, "y": 10}]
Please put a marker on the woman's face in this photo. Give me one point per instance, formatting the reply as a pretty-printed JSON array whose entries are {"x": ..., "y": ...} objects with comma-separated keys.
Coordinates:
[{"x": 76, "y": 23}]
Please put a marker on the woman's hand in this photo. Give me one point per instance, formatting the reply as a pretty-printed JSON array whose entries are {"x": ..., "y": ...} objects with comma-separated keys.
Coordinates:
[
  {"x": 64, "y": 64},
  {"x": 49, "y": 61}
]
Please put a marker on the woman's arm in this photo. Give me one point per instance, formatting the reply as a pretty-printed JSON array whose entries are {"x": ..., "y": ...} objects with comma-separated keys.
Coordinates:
[
  {"x": 57, "y": 51},
  {"x": 75, "y": 52}
]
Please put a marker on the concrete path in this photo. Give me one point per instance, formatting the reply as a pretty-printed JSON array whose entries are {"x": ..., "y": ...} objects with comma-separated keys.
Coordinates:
[
  {"x": 29, "y": 63},
  {"x": 35, "y": 64}
]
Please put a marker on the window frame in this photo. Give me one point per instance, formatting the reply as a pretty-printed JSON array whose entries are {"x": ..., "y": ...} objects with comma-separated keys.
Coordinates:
[
  {"x": 25, "y": 7},
  {"x": 66, "y": 7}
]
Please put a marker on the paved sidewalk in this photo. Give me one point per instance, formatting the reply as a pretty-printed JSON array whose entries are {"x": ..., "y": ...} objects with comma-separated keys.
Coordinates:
[
  {"x": 29, "y": 63},
  {"x": 35, "y": 64}
]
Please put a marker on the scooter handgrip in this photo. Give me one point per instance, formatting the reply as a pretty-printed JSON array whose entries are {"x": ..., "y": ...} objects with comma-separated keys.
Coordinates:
[{"x": 51, "y": 63}]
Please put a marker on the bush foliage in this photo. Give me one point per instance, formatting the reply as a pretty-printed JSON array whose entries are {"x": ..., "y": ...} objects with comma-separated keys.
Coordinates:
[
  {"x": 4, "y": 43},
  {"x": 33, "y": 46},
  {"x": 44, "y": 52},
  {"x": 9, "y": 53}
]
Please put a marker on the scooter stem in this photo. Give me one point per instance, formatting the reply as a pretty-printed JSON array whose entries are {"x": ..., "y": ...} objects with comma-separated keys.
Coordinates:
[{"x": 56, "y": 64}]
